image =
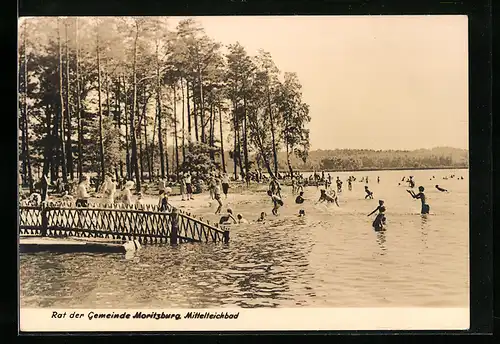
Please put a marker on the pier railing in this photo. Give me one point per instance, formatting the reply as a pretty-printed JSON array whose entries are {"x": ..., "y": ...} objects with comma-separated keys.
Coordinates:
[{"x": 145, "y": 223}]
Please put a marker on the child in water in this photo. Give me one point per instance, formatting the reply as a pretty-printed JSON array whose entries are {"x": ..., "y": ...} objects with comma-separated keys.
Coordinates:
[
  {"x": 441, "y": 189},
  {"x": 369, "y": 194},
  {"x": 379, "y": 221},
  {"x": 276, "y": 201},
  {"x": 241, "y": 220},
  {"x": 324, "y": 197},
  {"x": 262, "y": 217},
  {"x": 425, "y": 207},
  {"x": 300, "y": 198},
  {"x": 302, "y": 213}
]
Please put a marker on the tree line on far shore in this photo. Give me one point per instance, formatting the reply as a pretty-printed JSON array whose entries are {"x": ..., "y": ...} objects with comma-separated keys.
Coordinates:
[{"x": 136, "y": 98}]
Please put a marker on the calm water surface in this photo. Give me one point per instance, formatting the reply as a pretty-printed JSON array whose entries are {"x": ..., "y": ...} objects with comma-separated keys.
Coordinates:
[{"x": 330, "y": 258}]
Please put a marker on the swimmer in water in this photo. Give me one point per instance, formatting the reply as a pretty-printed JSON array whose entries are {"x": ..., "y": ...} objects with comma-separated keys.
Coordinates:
[
  {"x": 300, "y": 198},
  {"x": 425, "y": 207},
  {"x": 324, "y": 197},
  {"x": 216, "y": 195},
  {"x": 369, "y": 194},
  {"x": 349, "y": 184},
  {"x": 262, "y": 217},
  {"x": 241, "y": 220},
  {"x": 276, "y": 201},
  {"x": 441, "y": 189},
  {"x": 378, "y": 180},
  {"x": 227, "y": 218},
  {"x": 302, "y": 213},
  {"x": 379, "y": 221}
]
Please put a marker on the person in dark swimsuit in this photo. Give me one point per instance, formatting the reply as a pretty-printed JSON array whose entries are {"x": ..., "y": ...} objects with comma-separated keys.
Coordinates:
[
  {"x": 425, "y": 207},
  {"x": 379, "y": 221},
  {"x": 302, "y": 213},
  {"x": 300, "y": 198},
  {"x": 441, "y": 189},
  {"x": 369, "y": 194}
]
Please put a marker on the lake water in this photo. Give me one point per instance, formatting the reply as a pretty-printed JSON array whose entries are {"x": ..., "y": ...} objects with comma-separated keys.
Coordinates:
[{"x": 330, "y": 258}]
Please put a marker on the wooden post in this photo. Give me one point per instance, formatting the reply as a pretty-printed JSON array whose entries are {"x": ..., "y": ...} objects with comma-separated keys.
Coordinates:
[
  {"x": 226, "y": 235},
  {"x": 45, "y": 220},
  {"x": 175, "y": 227}
]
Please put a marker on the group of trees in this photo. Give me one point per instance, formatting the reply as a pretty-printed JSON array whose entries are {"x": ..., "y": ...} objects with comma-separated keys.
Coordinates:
[{"x": 136, "y": 98}]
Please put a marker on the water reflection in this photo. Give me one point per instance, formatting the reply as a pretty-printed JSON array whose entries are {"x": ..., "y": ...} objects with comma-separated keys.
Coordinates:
[{"x": 381, "y": 239}]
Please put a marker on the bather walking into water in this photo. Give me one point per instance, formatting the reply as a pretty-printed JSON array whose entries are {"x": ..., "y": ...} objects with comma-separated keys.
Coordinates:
[
  {"x": 369, "y": 194},
  {"x": 324, "y": 197},
  {"x": 300, "y": 198},
  {"x": 277, "y": 201},
  {"x": 425, "y": 207},
  {"x": 217, "y": 195},
  {"x": 379, "y": 221}
]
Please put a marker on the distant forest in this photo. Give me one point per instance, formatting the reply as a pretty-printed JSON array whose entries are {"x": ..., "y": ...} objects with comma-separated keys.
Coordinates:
[{"x": 367, "y": 159}]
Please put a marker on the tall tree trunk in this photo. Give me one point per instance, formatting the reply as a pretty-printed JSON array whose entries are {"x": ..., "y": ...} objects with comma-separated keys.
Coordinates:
[
  {"x": 78, "y": 104},
  {"x": 145, "y": 120},
  {"x": 119, "y": 115},
  {"x": 245, "y": 135},
  {"x": 235, "y": 125},
  {"x": 159, "y": 115},
  {"x": 223, "y": 158},
  {"x": 27, "y": 157},
  {"x": 275, "y": 154},
  {"x": 190, "y": 135},
  {"x": 195, "y": 115},
  {"x": 99, "y": 100},
  {"x": 183, "y": 124},
  {"x": 69, "y": 131},
  {"x": 176, "y": 143},
  {"x": 202, "y": 107},
  {"x": 211, "y": 132},
  {"x": 240, "y": 160},
  {"x": 133, "y": 161},
  {"x": 61, "y": 107},
  {"x": 47, "y": 151},
  {"x": 127, "y": 136},
  {"x": 139, "y": 137}
]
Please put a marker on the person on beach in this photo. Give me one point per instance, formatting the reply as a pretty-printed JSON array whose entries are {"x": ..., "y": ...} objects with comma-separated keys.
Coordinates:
[
  {"x": 225, "y": 184},
  {"x": 241, "y": 220},
  {"x": 82, "y": 197},
  {"x": 163, "y": 199},
  {"x": 227, "y": 218},
  {"x": 366, "y": 179},
  {"x": 44, "y": 186},
  {"x": 217, "y": 195},
  {"x": 262, "y": 217},
  {"x": 189, "y": 187},
  {"x": 300, "y": 198},
  {"x": 339, "y": 185},
  {"x": 67, "y": 197},
  {"x": 127, "y": 193},
  {"x": 277, "y": 201},
  {"x": 302, "y": 213},
  {"x": 369, "y": 194},
  {"x": 379, "y": 221},
  {"x": 411, "y": 182},
  {"x": 35, "y": 199},
  {"x": 139, "y": 203},
  {"x": 349, "y": 184},
  {"x": 425, "y": 207},
  {"x": 324, "y": 197},
  {"x": 183, "y": 187},
  {"x": 378, "y": 179},
  {"x": 109, "y": 189},
  {"x": 441, "y": 189}
]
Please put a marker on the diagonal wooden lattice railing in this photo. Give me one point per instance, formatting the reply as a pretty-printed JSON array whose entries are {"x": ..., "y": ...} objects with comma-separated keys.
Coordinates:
[{"x": 145, "y": 223}]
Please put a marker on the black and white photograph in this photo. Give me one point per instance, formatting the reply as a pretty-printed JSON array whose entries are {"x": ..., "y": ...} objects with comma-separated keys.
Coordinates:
[{"x": 243, "y": 173}]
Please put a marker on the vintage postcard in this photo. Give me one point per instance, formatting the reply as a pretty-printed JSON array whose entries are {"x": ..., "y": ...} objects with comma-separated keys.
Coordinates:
[{"x": 243, "y": 173}]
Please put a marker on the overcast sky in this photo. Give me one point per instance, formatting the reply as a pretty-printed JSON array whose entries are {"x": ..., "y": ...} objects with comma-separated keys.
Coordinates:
[{"x": 380, "y": 82}]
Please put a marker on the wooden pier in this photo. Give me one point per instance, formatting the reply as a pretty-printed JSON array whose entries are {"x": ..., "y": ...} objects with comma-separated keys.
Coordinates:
[
  {"x": 147, "y": 225},
  {"x": 31, "y": 244}
]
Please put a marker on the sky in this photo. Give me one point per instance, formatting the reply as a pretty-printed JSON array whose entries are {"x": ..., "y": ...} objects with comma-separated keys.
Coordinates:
[{"x": 372, "y": 82}]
